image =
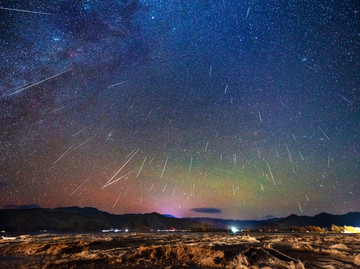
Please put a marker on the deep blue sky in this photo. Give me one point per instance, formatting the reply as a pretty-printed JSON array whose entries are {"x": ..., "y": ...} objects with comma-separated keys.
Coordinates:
[{"x": 242, "y": 108}]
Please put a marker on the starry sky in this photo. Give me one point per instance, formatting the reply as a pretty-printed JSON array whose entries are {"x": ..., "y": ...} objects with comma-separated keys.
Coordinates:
[{"x": 230, "y": 109}]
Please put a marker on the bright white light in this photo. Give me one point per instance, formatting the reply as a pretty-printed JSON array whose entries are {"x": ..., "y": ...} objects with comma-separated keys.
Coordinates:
[
  {"x": 234, "y": 230},
  {"x": 126, "y": 230}
]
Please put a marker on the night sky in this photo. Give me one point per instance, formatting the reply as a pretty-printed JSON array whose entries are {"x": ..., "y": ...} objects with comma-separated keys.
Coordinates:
[{"x": 230, "y": 109}]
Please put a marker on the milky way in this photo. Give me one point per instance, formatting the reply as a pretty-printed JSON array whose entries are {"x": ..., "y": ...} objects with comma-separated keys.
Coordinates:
[{"x": 232, "y": 109}]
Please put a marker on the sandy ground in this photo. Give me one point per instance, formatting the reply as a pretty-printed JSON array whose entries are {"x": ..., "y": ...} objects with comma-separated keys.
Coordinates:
[{"x": 181, "y": 250}]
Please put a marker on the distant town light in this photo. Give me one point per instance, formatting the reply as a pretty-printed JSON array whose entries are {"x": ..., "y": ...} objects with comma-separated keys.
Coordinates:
[
  {"x": 234, "y": 230},
  {"x": 107, "y": 231}
]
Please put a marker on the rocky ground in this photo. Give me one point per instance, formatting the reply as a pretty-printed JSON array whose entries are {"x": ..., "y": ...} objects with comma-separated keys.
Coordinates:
[{"x": 179, "y": 250}]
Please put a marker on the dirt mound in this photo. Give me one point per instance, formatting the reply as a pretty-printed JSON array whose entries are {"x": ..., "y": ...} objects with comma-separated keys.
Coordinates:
[
  {"x": 339, "y": 246},
  {"x": 261, "y": 257},
  {"x": 185, "y": 254},
  {"x": 303, "y": 247},
  {"x": 44, "y": 249},
  {"x": 357, "y": 259}
]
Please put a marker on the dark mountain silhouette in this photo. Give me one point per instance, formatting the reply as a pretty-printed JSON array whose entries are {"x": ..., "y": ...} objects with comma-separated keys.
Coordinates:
[
  {"x": 87, "y": 211},
  {"x": 88, "y": 219},
  {"x": 75, "y": 219},
  {"x": 321, "y": 220}
]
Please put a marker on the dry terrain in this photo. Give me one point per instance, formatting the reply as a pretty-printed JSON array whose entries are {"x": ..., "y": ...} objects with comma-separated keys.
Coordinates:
[{"x": 179, "y": 250}]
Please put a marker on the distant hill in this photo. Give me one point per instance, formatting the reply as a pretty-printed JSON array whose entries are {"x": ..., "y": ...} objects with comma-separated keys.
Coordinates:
[
  {"x": 87, "y": 211},
  {"x": 75, "y": 219},
  {"x": 321, "y": 220},
  {"x": 88, "y": 219}
]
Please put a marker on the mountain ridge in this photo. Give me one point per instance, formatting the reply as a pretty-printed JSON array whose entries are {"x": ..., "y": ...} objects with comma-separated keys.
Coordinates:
[{"x": 89, "y": 219}]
